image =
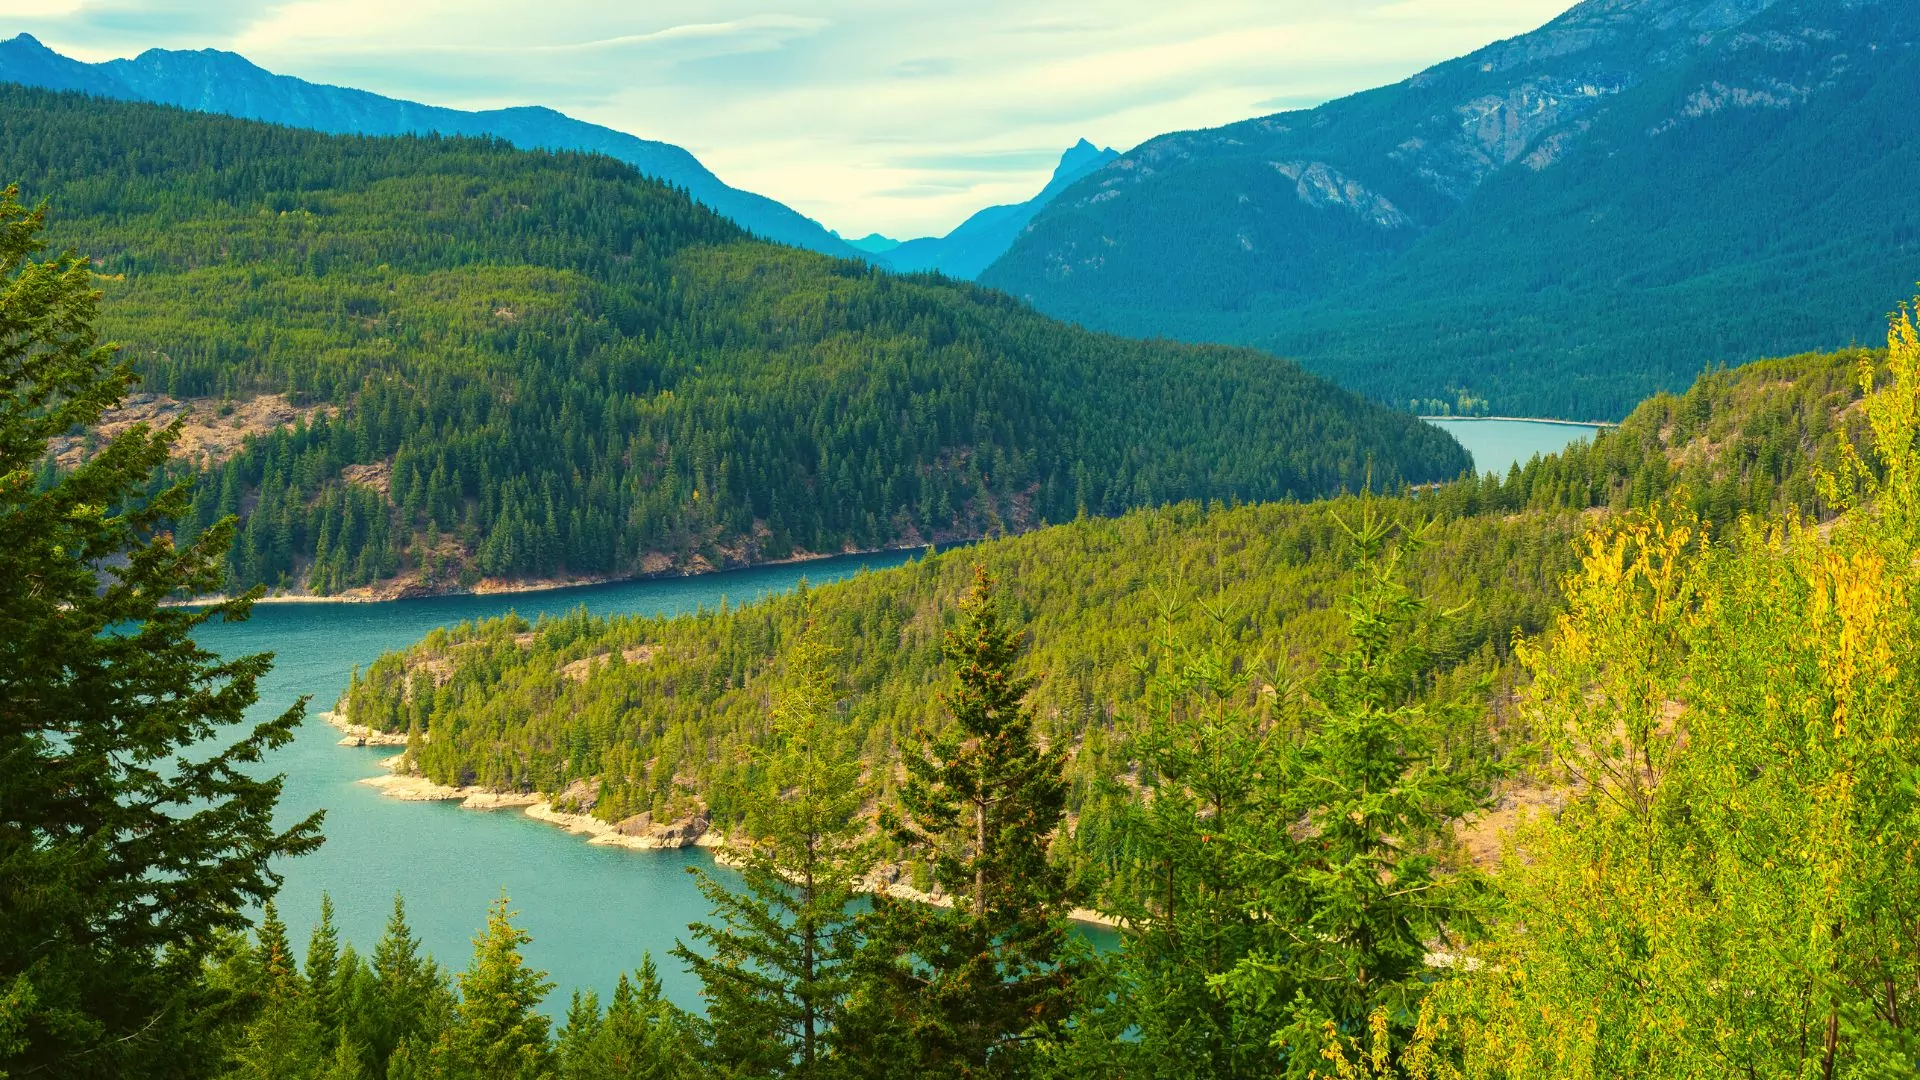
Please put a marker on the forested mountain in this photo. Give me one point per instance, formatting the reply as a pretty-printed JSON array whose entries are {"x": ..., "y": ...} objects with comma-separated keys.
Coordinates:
[
  {"x": 978, "y": 241},
  {"x": 656, "y": 716},
  {"x": 209, "y": 80},
  {"x": 510, "y": 364},
  {"x": 1558, "y": 224}
]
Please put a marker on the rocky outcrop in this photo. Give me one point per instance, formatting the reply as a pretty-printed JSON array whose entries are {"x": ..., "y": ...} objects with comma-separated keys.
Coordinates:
[{"x": 683, "y": 832}]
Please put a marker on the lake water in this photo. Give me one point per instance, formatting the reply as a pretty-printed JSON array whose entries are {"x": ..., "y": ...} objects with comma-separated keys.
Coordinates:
[
  {"x": 1497, "y": 445},
  {"x": 591, "y": 910}
]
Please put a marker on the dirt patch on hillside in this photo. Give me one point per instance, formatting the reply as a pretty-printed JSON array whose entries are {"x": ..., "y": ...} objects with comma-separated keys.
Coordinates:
[
  {"x": 211, "y": 431},
  {"x": 580, "y": 669}
]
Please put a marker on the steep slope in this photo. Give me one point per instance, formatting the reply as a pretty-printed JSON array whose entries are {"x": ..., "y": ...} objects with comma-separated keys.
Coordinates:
[
  {"x": 976, "y": 242},
  {"x": 1559, "y": 224},
  {"x": 222, "y": 82},
  {"x": 656, "y": 716},
  {"x": 512, "y": 365}
]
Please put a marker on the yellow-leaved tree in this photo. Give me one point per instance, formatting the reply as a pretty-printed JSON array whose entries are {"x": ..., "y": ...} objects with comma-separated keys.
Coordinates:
[{"x": 1732, "y": 888}]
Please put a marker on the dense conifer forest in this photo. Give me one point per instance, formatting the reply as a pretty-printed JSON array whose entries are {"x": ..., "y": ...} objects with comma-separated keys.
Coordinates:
[
  {"x": 516, "y": 365},
  {"x": 659, "y": 716}
]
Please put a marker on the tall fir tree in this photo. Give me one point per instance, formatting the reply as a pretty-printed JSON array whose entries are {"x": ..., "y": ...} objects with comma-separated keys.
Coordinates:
[
  {"x": 966, "y": 990},
  {"x": 775, "y": 968},
  {"x": 283, "y": 1042},
  {"x": 323, "y": 972},
  {"x": 135, "y": 827},
  {"x": 1350, "y": 848},
  {"x": 409, "y": 1003},
  {"x": 498, "y": 1031}
]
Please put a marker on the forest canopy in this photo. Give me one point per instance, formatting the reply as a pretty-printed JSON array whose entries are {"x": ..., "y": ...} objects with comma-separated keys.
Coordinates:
[{"x": 517, "y": 365}]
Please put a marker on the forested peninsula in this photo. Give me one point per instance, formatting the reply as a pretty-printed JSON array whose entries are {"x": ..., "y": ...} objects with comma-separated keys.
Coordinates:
[
  {"x": 652, "y": 721},
  {"x": 422, "y": 364}
]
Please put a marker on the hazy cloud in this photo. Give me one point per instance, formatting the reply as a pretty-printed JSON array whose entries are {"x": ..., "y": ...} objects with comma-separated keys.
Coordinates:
[{"x": 866, "y": 114}]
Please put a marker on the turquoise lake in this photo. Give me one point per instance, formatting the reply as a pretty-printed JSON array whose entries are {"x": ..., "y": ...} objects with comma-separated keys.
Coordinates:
[
  {"x": 1497, "y": 445},
  {"x": 591, "y": 910}
]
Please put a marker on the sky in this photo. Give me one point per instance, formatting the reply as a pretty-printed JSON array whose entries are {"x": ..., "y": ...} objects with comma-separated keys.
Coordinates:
[{"x": 895, "y": 116}]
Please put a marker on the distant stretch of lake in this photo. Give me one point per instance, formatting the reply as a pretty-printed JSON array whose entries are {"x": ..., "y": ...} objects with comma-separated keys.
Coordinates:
[
  {"x": 591, "y": 910},
  {"x": 1498, "y": 445}
]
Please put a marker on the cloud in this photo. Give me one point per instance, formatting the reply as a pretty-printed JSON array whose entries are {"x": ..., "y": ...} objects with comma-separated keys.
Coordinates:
[{"x": 864, "y": 114}]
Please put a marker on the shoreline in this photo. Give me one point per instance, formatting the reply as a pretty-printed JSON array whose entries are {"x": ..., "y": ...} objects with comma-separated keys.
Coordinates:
[
  {"x": 406, "y": 788},
  {"x": 1530, "y": 420},
  {"x": 516, "y": 588}
]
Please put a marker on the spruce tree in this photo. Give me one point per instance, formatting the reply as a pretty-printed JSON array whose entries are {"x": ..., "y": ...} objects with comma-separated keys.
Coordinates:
[
  {"x": 135, "y": 828},
  {"x": 323, "y": 969},
  {"x": 966, "y": 989},
  {"x": 775, "y": 967},
  {"x": 1351, "y": 850},
  {"x": 642, "y": 1036},
  {"x": 409, "y": 1003},
  {"x": 498, "y": 1030},
  {"x": 283, "y": 1042}
]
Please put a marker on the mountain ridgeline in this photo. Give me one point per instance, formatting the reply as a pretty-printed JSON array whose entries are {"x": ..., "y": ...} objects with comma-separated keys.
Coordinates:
[
  {"x": 975, "y": 243},
  {"x": 209, "y": 80},
  {"x": 1555, "y": 225},
  {"x": 500, "y": 364}
]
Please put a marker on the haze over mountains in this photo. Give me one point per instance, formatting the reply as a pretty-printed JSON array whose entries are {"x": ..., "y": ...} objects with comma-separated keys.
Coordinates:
[
  {"x": 209, "y": 80},
  {"x": 976, "y": 242},
  {"x": 1558, "y": 224}
]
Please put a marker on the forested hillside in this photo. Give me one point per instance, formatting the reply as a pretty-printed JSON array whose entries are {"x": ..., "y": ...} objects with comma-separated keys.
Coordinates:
[
  {"x": 513, "y": 365},
  {"x": 658, "y": 715},
  {"x": 1556, "y": 225}
]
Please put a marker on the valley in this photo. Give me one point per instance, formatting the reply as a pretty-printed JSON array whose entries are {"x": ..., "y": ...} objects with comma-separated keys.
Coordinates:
[{"x": 1424, "y": 586}]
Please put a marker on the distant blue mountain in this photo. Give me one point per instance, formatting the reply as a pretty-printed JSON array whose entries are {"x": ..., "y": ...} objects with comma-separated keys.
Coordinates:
[
  {"x": 873, "y": 243},
  {"x": 975, "y": 243},
  {"x": 222, "y": 82}
]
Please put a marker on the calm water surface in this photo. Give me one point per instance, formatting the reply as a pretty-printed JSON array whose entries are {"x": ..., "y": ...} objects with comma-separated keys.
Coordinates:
[
  {"x": 591, "y": 910},
  {"x": 1497, "y": 445}
]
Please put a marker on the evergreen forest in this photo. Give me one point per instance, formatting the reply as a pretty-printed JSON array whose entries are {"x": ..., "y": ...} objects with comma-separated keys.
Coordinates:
[{"x": 521, "y": 366}]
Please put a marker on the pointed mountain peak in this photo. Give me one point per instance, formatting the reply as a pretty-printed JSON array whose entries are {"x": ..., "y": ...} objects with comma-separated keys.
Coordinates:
[{"x": 1080, "y": 159}]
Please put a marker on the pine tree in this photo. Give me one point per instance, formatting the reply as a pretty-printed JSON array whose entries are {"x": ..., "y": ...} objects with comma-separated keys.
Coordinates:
[
  {"x": 498, "y": 1030},
  {"x": 1349, "y": 849},
  {"x": 323, "y": 970},
  {"x": 643, "y": 1036},
  {"x": 775, "y": 968},
  {"x": 579, "y": 1037},
  {"x": 133, "y": 830},
  {"x": 409, "y": 1001},
  {"x": 966, "y": 989},
  {"x": 1206, "y": 750},
  {"x": 283, "y": 1040}
]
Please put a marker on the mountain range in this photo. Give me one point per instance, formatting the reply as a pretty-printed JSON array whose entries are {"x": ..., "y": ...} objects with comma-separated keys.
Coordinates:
[
  {"x": 976, "y": 242},
  {"x": 210, "y": 80},
  {"x": 1558, "y": 224}
]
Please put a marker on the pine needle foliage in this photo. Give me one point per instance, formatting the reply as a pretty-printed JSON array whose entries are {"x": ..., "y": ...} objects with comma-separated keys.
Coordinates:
[
  {"x": 775, "y": 966},
  {"x": 971, "y": 985},
  {"x": 134, "y": 828}
]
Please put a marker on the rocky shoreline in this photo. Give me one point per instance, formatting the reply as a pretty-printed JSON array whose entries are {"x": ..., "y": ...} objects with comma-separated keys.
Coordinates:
[
  {"x": 361, "y": 734},
  {"x": 639, "y": 833}
]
